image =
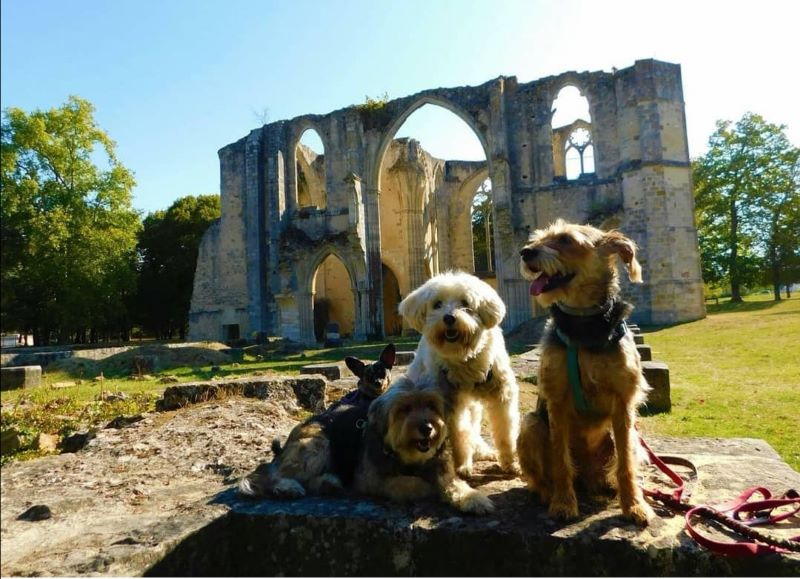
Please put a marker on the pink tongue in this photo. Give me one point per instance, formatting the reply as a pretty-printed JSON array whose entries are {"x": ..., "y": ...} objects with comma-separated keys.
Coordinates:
[{"x": 538, "y": 284}]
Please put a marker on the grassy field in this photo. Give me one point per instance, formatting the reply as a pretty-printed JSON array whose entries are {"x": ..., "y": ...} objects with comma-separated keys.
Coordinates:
[{"x": 735, "y": 373}]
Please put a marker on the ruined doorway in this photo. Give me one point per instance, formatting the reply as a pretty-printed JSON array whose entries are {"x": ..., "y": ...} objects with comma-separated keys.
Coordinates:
[
  {"x": 392, "y": 321},
  {"x": 333, "y": 298}
]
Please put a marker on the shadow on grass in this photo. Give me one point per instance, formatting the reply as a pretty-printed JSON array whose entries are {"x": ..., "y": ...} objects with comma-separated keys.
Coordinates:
[{"x": 748, "y": 306}]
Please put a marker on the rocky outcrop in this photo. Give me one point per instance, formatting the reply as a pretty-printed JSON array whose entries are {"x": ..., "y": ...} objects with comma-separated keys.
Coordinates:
[{"x": 157, "y": 497}]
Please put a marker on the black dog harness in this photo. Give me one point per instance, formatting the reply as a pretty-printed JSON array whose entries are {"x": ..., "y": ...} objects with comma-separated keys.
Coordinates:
[
  {"x": 343, "y": 423},
  {"x": 598, "y": 329}
]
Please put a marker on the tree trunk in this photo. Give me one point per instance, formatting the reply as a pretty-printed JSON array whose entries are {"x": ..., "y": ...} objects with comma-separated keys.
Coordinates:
[
  {"x": 775, "y": 263},
  {"x": 736, "y": 296}
]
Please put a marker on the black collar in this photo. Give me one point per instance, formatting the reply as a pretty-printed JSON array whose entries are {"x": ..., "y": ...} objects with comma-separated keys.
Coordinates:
[{"x": 596, "y": 328}]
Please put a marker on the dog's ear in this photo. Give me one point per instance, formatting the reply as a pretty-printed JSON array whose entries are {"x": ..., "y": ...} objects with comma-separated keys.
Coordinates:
[
  {"x": 356, "y": 366},
  {"x": 414, "y": 308},
  {"x": 491, "y": 308},
  {"x": 615, "y": 242},
  {"x": 388, "y": 356}
]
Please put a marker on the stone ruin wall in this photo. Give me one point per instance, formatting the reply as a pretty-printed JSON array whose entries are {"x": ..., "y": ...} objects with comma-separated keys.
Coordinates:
[{"x": 393, "y": 215}]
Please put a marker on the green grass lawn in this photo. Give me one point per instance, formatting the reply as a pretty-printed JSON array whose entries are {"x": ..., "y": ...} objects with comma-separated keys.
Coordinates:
[{"x": 735, "y": 373}]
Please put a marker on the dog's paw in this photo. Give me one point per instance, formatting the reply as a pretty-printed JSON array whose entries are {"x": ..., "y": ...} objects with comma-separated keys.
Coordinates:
[
  {"x": 511, "y": 468},
  {"x": 563, "y": 510},
  {"x": 465, "y": 470},
  {"x": 328, "y": 484},
  {"x": 288, "y": 488},
  {"x": 476, "y": 503},
  {"x": 641, "y": 513}
]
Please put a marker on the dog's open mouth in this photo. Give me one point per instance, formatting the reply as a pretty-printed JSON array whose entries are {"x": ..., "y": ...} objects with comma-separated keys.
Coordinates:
[
  {"x": 451, "y": 335},
  {"x": 423, "y": 445},
  {"x": 545, "y": 283}
]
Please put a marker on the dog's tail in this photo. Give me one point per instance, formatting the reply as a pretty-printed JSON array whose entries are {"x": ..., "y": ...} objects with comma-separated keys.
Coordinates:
[
  {"x": 258, "y": 483},
  {"x": 261, "y": 481}
]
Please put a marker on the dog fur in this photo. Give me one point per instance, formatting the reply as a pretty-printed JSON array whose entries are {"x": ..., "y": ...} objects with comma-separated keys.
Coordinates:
[
  {"x": 573, "y": 271},
  {"x": 406, "y": 455},
  {"x": 458, "y": 316},
  {"x": 321, "y": 453}
]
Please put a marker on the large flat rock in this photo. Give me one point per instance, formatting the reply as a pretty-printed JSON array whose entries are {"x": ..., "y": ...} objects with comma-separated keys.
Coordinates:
[{"x": 157, "y": 498}]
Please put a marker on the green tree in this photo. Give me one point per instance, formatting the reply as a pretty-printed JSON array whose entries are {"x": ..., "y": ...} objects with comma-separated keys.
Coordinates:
[
  {"x": 743, "y": 191},
  {"x": 777, "y": 222},
  {"x": 482, "y": 228},
  {"x": 168, "y": 248},
  {"x": 68, "y": 227}
]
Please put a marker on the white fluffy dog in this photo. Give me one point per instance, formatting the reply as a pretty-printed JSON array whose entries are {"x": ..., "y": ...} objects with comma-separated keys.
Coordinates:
[{"x": 463, "y": 351}]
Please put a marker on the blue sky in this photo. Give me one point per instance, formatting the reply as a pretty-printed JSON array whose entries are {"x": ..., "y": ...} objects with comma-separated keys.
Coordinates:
[{"x": 173, "y": 81}]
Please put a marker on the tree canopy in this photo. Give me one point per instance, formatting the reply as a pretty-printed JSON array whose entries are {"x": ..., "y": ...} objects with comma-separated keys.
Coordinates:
[
  {"x": 168, "y": 248},
  {"x": 748, "y": 204},
  {"x": 68, "y": 227}
]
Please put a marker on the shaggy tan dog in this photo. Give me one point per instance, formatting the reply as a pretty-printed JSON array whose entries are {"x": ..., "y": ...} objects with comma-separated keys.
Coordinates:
[
  {"x": 573, "y": 272},
  {"x": 462, "y": 351},
  {"x": 406, "y": 454}
]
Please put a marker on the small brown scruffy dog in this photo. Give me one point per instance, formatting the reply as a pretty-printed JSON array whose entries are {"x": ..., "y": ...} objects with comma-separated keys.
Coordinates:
[
  {"x": 322, "y": 452},
  {"x": 406, "y": 455},
  {"x": 573, "y": 271}
]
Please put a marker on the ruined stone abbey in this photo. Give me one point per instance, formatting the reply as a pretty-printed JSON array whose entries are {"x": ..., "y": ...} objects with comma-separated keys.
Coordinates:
[{"x": 306, "y": 239}]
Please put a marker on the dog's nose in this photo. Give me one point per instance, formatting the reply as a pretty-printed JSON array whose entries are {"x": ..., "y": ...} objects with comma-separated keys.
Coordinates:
[
  {"x": 426, "y": 429},
  {"x": 528, "y": 253},
  {"x": 449, "y": 319}
]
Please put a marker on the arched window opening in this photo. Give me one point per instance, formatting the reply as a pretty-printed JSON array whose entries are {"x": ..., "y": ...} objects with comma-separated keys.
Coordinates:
[
  {"x": 569, "y": 106},
  {"x": 334, "y": 303},
  {"x": 483, "y": 230},
  {"x": 310, "y": 166},
  {"x": 573, "y": 147},
  {"x": 424, "y": 204},
  {"x": 579, "y": 158}
]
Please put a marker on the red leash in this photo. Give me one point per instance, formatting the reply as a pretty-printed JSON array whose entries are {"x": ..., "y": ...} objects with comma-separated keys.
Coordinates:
[{"x": 739, "y": 515}]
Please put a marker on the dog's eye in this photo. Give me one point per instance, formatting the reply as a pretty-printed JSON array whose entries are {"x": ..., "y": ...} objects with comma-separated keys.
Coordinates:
[
  {"x": 465, "y": 304},
  {"x": 437, "y": 305},
  {"x": 564, "y": 239}
]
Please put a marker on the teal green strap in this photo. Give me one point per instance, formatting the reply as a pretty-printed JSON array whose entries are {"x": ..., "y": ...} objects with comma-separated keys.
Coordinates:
[{"x": 574, "y": 375}]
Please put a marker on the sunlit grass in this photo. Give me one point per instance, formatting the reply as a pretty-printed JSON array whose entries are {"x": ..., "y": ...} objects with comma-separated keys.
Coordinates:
[{"x": 735, "y": 373}]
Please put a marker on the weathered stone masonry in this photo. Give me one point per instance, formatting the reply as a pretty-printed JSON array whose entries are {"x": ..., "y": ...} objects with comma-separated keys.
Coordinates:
[{"x": 255, "y": 272}]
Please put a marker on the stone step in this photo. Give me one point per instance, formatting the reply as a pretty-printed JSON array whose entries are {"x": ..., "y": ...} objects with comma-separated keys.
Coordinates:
[
  {"x": 638, "y": 339},
  {"x": 20, "y": 377},
  {"x": 330, "y": 371},
  {"x": 657, "y": 375},
  {"x": 645, "y": 352}
]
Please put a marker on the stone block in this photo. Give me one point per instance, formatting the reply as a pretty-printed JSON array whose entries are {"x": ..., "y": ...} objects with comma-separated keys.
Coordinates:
[
  {"x": 236, "y": 354},
  {"x": 638, "y": 339},
  {"x": 657, "y": 375},
  {"x": 20, "y": 377},
  {"x": 141, "y": 365},
  {"x": 309, "y": 391},
  {"x": 404, "y": 358},
  {"x": 330, "y": 371},
  {"x": 645, "y": 352}
]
